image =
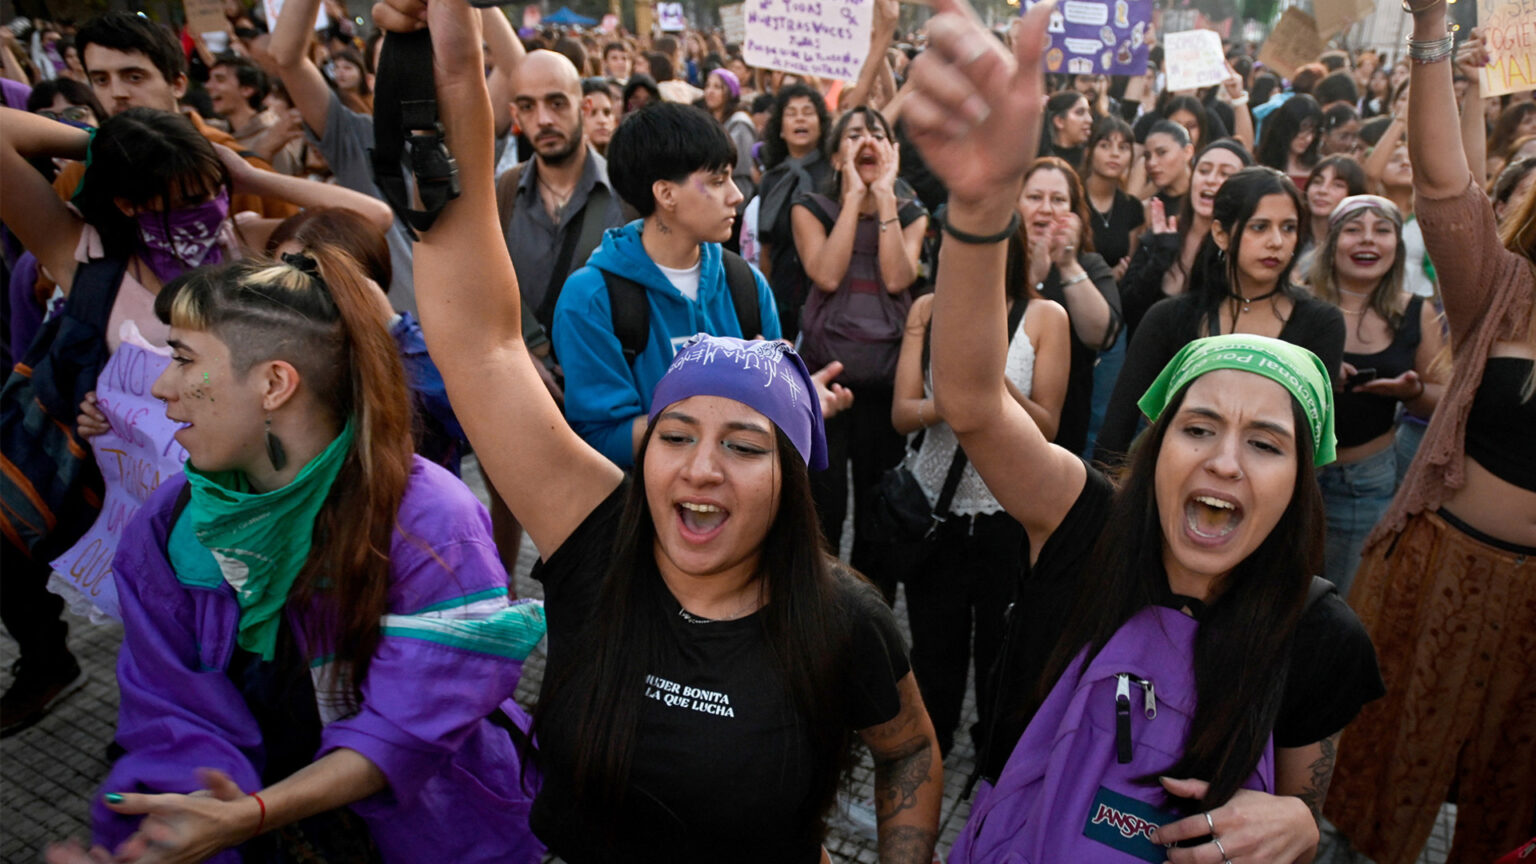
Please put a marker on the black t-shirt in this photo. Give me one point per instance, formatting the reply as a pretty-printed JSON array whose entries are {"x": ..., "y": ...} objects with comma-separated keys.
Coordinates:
[
  {"x": 1173, "y": 323},
  {"x": 720, "y": 770},
  {"x": 1112, "y": 231},
  {"x": 1333, "y": 664}
]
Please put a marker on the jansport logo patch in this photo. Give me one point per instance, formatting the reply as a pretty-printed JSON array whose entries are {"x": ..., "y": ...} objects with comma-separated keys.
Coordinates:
[{"x": 1125, "y": 824}]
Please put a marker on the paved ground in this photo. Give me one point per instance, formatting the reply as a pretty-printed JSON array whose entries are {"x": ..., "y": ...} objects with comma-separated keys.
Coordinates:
[{"x": 49, "y": 772}]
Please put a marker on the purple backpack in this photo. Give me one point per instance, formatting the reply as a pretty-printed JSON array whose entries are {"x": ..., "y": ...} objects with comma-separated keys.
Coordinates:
[{"x": 1069, "y": 790}]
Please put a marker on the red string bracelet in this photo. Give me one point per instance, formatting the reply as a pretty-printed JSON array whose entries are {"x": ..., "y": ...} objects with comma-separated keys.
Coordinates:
[{"x": 261, "y": 823}]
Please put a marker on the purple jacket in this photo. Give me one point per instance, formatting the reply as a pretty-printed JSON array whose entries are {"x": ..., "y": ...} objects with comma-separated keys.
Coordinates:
[{"x": 455, "y": 787}]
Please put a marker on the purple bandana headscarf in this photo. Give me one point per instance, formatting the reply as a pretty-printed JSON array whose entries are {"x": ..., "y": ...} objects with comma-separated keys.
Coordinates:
[
  {"x": 184, "y": 238},
  {"x": 731, "y": 82},
  {"x": 767, "y": 376}
]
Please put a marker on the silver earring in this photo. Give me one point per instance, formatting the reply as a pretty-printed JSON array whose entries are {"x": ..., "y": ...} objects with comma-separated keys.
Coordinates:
[{"x": 275, "y": 453}]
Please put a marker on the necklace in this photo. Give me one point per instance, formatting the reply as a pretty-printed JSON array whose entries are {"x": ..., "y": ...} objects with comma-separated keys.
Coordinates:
[
  {"x": 1343, "y": 290},
  {"x": 1249, "y": 301},
  {"x": 560, "y": 200}
]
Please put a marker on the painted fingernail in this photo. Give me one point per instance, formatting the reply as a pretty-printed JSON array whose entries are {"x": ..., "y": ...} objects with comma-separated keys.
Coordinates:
[{"x": 112, "y": 798}]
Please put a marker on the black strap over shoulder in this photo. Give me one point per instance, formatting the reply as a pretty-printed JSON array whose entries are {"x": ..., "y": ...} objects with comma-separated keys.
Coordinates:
[
  {"x": 632, "y": 314},
  {"x": 405, "y": 120}
]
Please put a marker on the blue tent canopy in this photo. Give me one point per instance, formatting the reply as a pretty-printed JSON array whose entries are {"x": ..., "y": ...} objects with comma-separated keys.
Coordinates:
[{"x": 566, "y": 16}]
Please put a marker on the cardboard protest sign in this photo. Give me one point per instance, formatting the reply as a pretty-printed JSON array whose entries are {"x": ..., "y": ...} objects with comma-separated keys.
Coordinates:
[
  {"x": 1509, "y": 31},
  {"x": 1336, "y": 16},
  {"x": 1098, "y": 37},
  {"x": 824, "y": 38},
  {"x": 1292, "y": 44},
  {"x": 671, "y": 18},
  {"x": 137, "y": 454},
  {"x": 733, "y": 21},
  {"x": 645, "y": 19},
  {"x": 205, "y": 16},
  {"x": 1193, "y": 59}
]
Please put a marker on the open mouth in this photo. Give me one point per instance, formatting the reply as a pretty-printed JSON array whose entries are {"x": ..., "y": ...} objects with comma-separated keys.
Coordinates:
[
  {"x": 1365, "y": 259},
  {"x": 700, "y": 522},
  {"x": 1211, "y": 519}
]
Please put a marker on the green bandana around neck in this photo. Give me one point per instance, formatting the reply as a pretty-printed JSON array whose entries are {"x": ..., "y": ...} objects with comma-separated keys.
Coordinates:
[
  {"x": 1291, "y": 366},
  {"x": 258, "y": 541}
]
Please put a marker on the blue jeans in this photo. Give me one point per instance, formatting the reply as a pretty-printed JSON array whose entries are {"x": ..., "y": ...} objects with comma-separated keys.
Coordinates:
[
  {"x": 1410, "y": 431},
  {"x": 1355, "y": 494},
  {"x": 1105, "y": 371}
]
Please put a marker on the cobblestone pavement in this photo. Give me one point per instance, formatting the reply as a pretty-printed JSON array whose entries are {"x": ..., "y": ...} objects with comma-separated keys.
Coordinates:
[{"x": 49, "y": 772}]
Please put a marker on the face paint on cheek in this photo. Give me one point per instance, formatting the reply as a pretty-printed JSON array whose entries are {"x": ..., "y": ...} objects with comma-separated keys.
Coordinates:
[{"x": 698, "y": 186}]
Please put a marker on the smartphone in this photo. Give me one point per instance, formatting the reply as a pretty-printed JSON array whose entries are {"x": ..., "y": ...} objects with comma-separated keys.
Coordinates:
[{"x": 1360, "y": 377}]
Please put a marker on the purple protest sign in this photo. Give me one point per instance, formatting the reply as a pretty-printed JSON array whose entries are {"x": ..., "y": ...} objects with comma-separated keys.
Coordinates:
[
  {"x": 134, "y": 456},
  {"x": 1103, "y": 37}
]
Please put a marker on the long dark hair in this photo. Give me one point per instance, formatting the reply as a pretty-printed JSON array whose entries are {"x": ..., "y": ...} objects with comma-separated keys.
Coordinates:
[
  {"x": 1283, "y": 125},
  {"x": 1058, "y": 105},
  {"x": 327, "y": 326},
  {"x": 143, "y": 156},
  {"x": 598, "y": 699},
  {"x": 1242, "y": 650},
  {"x": 775, "y": 150},
  {"x": 1186, "y": 216},
  {"x": 1215, "y": 274},
  {"x": 834, "y": 141}
]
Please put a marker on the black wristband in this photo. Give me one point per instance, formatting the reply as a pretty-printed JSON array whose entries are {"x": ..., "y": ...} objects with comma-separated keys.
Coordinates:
[{"x": 979, "y": 239}]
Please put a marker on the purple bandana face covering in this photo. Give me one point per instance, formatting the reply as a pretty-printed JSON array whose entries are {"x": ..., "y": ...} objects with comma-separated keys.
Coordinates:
[
  {"x": 768, "y": 377},
  {"x": 184, "y": 238}
]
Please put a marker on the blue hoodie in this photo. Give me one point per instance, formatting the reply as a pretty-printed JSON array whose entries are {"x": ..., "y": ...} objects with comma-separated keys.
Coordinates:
[{"x": 603, "y": 394}]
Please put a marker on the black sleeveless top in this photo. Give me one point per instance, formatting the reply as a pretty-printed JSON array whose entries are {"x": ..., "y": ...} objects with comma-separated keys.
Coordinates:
[
  {"x": 1363, "y": 417},
  {"x": 1500, "y": 428}
]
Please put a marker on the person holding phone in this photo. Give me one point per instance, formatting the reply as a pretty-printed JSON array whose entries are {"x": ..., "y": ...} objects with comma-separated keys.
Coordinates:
[{"x": 1390, "y": 344}]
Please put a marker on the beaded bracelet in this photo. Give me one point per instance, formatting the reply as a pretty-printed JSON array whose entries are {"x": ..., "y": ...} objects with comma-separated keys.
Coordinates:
[{"x": 980, "y": 239}]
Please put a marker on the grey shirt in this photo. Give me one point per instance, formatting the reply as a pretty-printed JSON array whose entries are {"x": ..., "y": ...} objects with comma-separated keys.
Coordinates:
[
  {"x": 534, "y": 240},
  {"x": 348, "y": 137}
]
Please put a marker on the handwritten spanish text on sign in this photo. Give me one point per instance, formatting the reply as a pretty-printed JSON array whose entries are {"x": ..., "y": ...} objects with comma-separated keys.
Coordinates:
[
  {"x": 135, "y": 456},
  {"x": 1098, "y": 37},
  {"x": 671, "y": 17},
  {"x": 824, "y": 38},
  {"x": 1509, "y": 31},
  {"x": 1194, "y": 59}
]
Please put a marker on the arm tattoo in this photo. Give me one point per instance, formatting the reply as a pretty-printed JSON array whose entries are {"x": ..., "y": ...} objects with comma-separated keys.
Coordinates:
[
  {"x": 899, "y": 772},
  {"x": 906, "y": 844},
  {"x": 1321, "y": 775}
]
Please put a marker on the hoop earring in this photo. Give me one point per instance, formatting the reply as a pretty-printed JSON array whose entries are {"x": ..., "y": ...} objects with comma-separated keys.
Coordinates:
[{"x": 275, "y": 453}]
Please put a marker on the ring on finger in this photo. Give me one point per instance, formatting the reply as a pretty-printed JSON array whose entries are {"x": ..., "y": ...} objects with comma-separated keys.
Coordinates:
[
  {"x": 1210, "y": 824},
  {"x": 980, "y": 52},
  {"x": 1219, "y": 848}
]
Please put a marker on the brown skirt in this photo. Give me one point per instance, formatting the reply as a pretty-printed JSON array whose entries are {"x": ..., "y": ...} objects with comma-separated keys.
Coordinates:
[{"x": 1453, "y": 619}]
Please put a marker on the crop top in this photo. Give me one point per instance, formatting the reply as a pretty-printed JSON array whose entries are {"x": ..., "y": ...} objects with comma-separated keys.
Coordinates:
[
  {"x": 1501, "y": 427},
  {"x": 1363, "y": 417}
]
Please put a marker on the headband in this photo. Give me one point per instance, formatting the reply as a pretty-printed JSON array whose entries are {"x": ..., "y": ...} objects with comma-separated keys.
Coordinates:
[
  {"x": 765, "y": 375},
  {"x": 1291, "y": 366},
  {"x": 1356, "y": 203}
]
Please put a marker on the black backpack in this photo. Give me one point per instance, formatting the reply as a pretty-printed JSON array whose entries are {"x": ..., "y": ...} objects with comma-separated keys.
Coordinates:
[{"x": 632, "y": 314}]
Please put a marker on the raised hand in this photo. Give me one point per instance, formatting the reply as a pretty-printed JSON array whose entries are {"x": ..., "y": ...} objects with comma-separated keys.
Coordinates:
[
  {"x": 1064, "y": 237},
  {"x": 847, "y": 163},
  {"x": 1162, "y": 223},
  {"x": 890, "y": 164},
  {"x": 973, "y": 109}
]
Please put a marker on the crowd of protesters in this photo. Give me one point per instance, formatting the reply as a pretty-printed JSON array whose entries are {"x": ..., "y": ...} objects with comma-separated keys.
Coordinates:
[{"x": 1238, "y": 376}]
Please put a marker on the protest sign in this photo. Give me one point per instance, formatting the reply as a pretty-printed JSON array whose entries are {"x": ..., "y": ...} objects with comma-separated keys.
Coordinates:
[
  {"x": 1336, "y": 16},
  {"x": 137, "y": 454},
  {"x": 205, "y": 16},
  {"x": 1098, "y": 37},
  {"x": 824, "y": 38},
  {"x": 671, "y": 18},
  {"x": 734, "y": 22},
  {"x": 275, "y": 7},
  {"x": 1509, "y": 31},
  {"x": 1194, "y": 59},
  {"x": 645, "y": 19},
  {"x": 1292, "y": 44}
]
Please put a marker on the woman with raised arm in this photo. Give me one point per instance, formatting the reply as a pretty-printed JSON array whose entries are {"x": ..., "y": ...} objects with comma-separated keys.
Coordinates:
[
  {"x": 1445, "y": 583},
  {"x": 709, "y": 664},
  {"x": 1219, "y": 515}
]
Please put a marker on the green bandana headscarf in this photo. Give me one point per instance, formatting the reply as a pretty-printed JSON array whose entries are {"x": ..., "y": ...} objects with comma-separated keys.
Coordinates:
[
  {"x": 1293, "y": 367},
  {"x": 259, "y": 540}
]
